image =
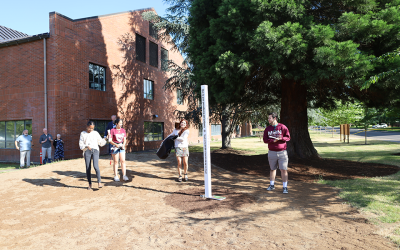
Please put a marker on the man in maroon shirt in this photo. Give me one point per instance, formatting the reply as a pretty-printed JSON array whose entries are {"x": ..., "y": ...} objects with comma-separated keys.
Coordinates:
[{"x": 276, "y": 135}]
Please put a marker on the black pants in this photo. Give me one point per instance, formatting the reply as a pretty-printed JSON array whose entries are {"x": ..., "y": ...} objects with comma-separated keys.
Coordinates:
[{"x": 89, "y": 155}]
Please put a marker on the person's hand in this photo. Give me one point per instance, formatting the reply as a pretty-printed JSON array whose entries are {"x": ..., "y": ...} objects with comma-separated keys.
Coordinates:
[
  {"x": 45, "y": 140},
  {"x": 89, "y": 148}
]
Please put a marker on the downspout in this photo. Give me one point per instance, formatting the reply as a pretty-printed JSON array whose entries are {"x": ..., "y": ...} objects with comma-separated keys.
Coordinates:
[{"x": 45, "y": 83}]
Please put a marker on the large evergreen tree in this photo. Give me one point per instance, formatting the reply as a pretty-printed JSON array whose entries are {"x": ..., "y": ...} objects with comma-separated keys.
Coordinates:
[
  {"x": 297, "y": 50},
  {"x": 247, "y": 104}
]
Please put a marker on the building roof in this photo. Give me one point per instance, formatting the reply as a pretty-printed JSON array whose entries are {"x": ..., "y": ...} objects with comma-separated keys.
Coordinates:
[{"x": 7, "y": 34}]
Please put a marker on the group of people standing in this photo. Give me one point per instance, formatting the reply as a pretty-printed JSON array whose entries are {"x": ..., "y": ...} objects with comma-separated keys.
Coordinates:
[
  {"x": 89, "y": 143},
  {"x": 115, "y": 135},
  {"x": 23, "y": 143},
  {"x": 276, "y": 135}
]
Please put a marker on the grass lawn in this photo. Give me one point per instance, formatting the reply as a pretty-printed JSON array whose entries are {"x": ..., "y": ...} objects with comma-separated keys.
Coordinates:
[
  {"x": 7, "y": 166},
  {"x": 253, "y": 145},
  {"x": 379, "y": 197}
]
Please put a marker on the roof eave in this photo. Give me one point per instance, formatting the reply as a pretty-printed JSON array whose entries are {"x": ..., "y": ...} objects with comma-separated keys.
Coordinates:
[{"x": 25, "y": 40}]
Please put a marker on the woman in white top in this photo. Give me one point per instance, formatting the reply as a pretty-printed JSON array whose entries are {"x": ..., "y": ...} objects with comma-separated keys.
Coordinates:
[
  {"x": 89, "y": 142},
  {"x": 182, "y": 147}
]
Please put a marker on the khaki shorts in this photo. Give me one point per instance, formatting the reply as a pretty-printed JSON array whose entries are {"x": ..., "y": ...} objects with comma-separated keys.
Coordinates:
[{"x": 278, "y": 159}]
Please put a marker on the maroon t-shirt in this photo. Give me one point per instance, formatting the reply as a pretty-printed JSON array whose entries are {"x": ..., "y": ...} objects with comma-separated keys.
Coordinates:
[
  {"x": 271, "y": 133},
  {"x": 118, "y": 135}
]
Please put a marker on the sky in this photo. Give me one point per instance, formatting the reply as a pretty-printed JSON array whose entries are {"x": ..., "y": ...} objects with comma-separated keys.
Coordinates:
[{"x": 32, "y": 16}]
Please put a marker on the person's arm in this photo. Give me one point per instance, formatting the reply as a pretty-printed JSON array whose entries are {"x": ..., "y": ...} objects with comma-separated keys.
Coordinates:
[
  {"x": 82, "y": 144},
  {"x": 100, "y": 141},
  {"x": 266, "y": 137},
  {"x": 183, "y": 136},
  {"x": 124, "y": 143},
  {"x": 16, "y": 145},
  {"x": 50, "y": 138},
  {"x": 285, "y": 134},
  {"x": 111, "y": 135}
]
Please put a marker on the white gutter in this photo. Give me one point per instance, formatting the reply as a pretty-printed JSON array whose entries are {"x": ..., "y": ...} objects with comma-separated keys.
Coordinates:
[{"x": 45, "y": 82}]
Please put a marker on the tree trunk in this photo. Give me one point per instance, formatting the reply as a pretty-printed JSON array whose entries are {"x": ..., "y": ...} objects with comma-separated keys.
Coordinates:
[
  {"x": 294, "y": 116},
  {"x": 225, "y": 133}
]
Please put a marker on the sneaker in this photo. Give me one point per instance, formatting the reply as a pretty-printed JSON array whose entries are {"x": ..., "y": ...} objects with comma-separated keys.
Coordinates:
[
  {"x": 116, "y": 178},
  {"x": 125, "y": 178},
  {"x": 180, "y": 179},
  {"x": 285, "y": 190},
  {"x": 271, "y": 187},
  {"x": 186, "y": 178}
]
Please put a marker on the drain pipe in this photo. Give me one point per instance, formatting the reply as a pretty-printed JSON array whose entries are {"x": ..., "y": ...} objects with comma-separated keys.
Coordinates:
[{"x": 45, "y": 82}]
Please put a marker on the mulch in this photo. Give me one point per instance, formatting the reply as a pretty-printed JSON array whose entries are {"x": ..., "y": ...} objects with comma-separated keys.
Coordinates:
[{"x": 306, "y": 170}]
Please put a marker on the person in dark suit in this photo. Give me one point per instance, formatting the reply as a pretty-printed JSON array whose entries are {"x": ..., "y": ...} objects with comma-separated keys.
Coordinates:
[{"x": 110, "y": 126}]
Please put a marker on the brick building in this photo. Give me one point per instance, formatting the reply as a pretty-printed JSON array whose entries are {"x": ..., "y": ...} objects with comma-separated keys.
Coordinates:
[{"x": 89, "y": 68}]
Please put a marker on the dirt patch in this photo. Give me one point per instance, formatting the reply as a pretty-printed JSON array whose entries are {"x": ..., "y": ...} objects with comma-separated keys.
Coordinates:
[
  {"x": 189, "y": 200},
  {"x": 49, "y": 207},
  {"x": 307, "y": 170}
]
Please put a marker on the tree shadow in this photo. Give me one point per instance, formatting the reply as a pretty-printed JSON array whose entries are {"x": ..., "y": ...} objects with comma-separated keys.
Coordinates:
[{"x": 49, "y": 182}]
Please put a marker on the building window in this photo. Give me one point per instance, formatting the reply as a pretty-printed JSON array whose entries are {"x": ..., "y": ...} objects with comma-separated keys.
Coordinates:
[
  {"x": 153, "y": 131},
  {"x": 215, "y": 129},
  {"x": 153, "y": 54},
  {"x": 179, "y": 99},
  {"x": 153, "y": 31},
  {"x": 100, "y": 126},
  {"x": 10, "y": 130},
  {"x": 97, "y": 77},
  {"x": 164, "y": 59},
  {"x": 148, "y": 89},
  {"x": 200, "y": 130},
  {"x": 140, "y": 48}
]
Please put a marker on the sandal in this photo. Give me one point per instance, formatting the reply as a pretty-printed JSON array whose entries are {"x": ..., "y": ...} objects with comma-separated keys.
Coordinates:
[
  {"x": 186, "y": 177},
  {"x": 180, "y": 178}
]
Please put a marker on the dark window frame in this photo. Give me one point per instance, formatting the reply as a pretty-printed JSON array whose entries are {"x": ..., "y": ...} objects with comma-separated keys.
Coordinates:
[
  {"x": 146, "y": 94},
  {"x": 3, "y": 144},
  {"x": 164, "y": 61},
  {"x": 150, "y": 133},
  {"x": 153, "y": 54},
  {"x": 140, "y": 52},
  {"x": 152, "y": 31},
  {"x": 214, "y": 130},
  {"x": 103, "y": 128},
  {"x": 94, "y": 83}
]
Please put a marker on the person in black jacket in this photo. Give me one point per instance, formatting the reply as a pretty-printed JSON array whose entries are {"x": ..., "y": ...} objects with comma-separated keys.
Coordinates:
[
  {"x": 110, "y": 126},
  {"x": 58, "y": 148}
]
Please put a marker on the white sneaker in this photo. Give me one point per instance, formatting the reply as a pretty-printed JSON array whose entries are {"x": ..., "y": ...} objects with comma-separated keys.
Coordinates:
[
  {"x": 116, "y": 178},
  {"x": 125, "y": 178}
]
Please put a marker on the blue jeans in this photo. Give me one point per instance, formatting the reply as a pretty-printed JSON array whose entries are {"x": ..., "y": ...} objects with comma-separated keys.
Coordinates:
[{"x": 46, "y": 151}]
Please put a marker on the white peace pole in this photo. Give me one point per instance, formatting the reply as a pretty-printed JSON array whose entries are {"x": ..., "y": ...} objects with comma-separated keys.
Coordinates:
[{"x": 206, "y": 142}]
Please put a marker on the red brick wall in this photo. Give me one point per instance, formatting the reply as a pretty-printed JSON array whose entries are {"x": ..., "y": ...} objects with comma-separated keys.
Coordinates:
[
  {"x": 21, "y": 88},
  {"x": 108, "y": 41}
]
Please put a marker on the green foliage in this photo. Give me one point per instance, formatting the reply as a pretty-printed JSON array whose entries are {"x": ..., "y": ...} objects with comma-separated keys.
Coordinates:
[
  {"x": 238, "y": 45},
  {"x": 388, "y": 58},
  {"x": 347, "y": 113}
]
